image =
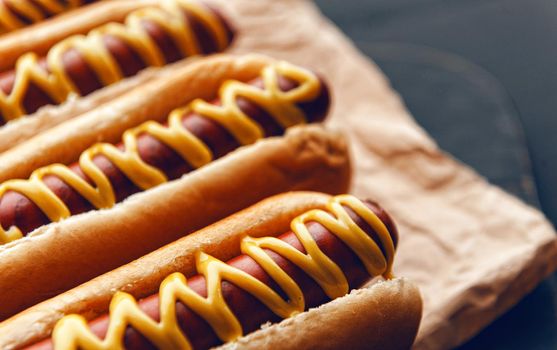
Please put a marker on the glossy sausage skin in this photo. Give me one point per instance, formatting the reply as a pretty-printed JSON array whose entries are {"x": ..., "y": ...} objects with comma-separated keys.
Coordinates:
[
  {"x": 130, "y": 63},
  {"x": 18, "y": 210},
  {"x": 250, "y": 311}
]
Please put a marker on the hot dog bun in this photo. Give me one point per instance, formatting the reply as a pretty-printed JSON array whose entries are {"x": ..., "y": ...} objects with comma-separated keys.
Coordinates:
[
  {"x": 150, "y": 101},
  {"x": 386, "y": 314},
  {"x": 87, "y": 245}
]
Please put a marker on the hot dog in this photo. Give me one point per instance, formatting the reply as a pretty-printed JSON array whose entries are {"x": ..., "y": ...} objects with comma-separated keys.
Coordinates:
[
  {"x": 334, "y": 245},
  {"x": 16, "y": 14},
  {"x": 283, "y": 96},
  {"x": 152, "y": 36},
  {"x": 77, "y": 21},
  {"x": 280, "y": 95}
]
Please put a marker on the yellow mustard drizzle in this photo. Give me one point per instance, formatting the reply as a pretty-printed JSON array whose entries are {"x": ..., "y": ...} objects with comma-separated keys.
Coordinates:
[
  {"x": 58, "y": 85},
  {"x": 31, "y": 10},
  {"x": 280, "y": 105},
  {"x": 72, "y": 332}
]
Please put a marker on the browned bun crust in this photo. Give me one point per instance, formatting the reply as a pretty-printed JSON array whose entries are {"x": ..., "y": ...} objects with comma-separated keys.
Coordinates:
[
  {"x": 385, "y": 316},
  {"x": 59, "y": 256},
  {"x": 151, "y": 101},
  {"x": 40, "y": 37},
  {"x": 392, "y": 310}
]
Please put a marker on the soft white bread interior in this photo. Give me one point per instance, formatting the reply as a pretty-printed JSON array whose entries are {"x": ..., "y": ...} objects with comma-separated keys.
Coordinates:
[
  {"x": 385, "y": 315},
  {"x": 59, "y": 256},
  {"x": 151, "y": 101}
]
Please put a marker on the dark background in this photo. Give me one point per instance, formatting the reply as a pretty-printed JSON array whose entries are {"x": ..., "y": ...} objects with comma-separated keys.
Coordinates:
[{"x": 480, "y": 77}]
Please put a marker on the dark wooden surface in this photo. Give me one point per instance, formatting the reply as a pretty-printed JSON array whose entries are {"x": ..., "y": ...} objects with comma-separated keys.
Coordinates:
[{"x": 480, "y": 76}]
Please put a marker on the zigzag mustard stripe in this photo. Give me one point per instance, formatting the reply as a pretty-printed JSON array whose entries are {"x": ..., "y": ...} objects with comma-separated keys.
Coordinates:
[
  {"x": 58, "y": 85},
  {"x": 280, "y": 105},
  {"x": 72, "y": 332}
]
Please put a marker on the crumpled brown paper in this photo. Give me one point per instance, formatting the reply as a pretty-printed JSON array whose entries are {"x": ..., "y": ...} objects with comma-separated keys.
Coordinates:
[{"x": 473, "y": 249}]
